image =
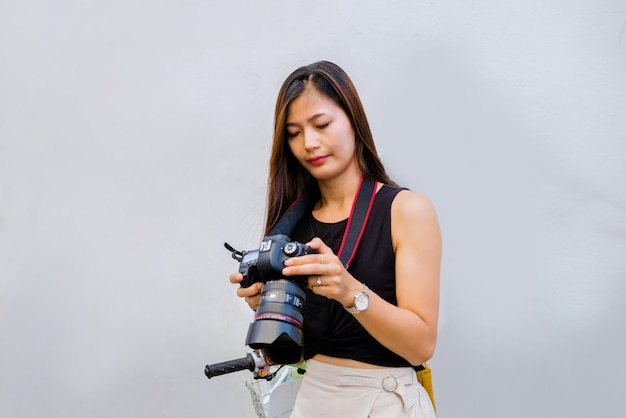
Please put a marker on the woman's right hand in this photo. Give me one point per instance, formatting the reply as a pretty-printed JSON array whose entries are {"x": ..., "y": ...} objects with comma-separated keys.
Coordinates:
[{"x": 251, "y": 294}]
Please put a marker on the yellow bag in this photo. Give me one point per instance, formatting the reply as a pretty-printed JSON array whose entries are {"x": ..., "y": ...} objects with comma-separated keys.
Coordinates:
[{"x": 425, "y": 377}]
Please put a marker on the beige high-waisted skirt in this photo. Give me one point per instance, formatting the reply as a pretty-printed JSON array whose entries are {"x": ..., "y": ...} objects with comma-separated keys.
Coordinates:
[{"x": 330, "y": 391}]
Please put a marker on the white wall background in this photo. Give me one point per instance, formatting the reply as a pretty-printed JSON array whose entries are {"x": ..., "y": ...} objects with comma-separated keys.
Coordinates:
[{"x": 134, "y": 138}]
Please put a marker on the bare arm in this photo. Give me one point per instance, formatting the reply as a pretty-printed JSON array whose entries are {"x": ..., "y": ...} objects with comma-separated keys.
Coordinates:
[{"x": 409, "y": 329}]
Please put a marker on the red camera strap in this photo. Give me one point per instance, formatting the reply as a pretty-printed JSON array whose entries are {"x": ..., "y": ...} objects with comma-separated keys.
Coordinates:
[{"x": 361, "y": 208}]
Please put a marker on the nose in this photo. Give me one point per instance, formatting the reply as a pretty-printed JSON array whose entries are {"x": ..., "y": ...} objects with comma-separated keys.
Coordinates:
[{"x": 311, "y": 140}]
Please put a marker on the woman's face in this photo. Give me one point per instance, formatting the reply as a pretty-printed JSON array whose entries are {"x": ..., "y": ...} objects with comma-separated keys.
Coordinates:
[{"x": 320, "y": 136}]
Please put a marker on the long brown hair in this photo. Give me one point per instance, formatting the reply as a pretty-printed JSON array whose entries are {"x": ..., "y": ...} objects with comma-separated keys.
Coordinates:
[{"x": 287, "y": 178}]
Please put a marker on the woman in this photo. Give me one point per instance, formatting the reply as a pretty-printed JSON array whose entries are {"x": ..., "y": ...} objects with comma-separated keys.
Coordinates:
[{"x": 364, "y": 327}]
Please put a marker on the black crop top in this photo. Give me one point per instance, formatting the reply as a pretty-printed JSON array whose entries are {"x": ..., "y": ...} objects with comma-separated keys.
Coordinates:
[{"x": 328, "y": 328}]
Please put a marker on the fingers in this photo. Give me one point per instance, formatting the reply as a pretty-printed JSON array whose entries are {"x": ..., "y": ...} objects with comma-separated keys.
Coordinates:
[
  {"x": 312, "y": 265},
  {"x": 322, "y": 268},
  {"x": 253, "y": 301},
  {"x": 235, "y": 277},
  {"x": 252, "y": 290},
  {"x": 251, "y": 294},
  {"x": 318, "y": 244},
  {"x": 324, "y": 255}
]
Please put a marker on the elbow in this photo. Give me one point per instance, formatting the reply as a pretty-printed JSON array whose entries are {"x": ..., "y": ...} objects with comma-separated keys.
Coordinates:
[
  {"x": 429, "y": 352},
  {"x": 422, "y": 353}
]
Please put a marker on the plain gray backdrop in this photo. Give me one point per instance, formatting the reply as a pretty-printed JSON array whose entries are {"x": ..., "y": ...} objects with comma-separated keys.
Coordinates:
[{"x": 134, "y": 141}]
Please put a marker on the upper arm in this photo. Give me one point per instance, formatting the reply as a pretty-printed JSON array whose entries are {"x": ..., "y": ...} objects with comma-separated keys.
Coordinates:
[{"x": 417, "y": 242}]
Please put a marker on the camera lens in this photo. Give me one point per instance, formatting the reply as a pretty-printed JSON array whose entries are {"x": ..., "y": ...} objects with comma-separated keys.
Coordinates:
[{"x": 277, "y": 327}]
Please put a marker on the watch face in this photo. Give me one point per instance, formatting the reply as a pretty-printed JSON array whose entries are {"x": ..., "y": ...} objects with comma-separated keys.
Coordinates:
[{"x": 361, "y": 301}]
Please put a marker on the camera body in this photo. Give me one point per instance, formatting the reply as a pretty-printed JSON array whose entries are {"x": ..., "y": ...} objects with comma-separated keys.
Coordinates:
[{"x": 268, "y": 261}]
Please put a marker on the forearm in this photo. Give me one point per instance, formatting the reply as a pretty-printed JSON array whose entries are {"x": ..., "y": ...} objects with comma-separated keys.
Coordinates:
[{"x": 400, "y": 330}]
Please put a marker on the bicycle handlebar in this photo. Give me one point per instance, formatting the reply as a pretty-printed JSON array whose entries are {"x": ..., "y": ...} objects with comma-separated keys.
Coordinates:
[{"x": 230, "y": 366}]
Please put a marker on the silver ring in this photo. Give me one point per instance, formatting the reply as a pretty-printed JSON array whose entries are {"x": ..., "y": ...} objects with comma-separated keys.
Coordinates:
[
  {"x": 322, "y": 258},
  {"x": 319, "y": 281},
  {"x": 389, "y": 383}
]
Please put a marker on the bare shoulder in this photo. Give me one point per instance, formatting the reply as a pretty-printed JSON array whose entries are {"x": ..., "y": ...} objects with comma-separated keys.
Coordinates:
[
  {"x": 413, "y": 218},
  {"x": 410, "y": 204}
]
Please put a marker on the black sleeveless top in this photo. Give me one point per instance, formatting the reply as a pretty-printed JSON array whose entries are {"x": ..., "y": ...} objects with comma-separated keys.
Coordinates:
[{"x": 328, "y": 328}]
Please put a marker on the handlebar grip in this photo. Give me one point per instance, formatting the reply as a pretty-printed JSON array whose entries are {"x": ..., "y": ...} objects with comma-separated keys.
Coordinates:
[{"x": 218, "y": 369}]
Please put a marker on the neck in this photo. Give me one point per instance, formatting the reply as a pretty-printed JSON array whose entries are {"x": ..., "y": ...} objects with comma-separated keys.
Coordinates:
[{"x": 337, "y": 197}]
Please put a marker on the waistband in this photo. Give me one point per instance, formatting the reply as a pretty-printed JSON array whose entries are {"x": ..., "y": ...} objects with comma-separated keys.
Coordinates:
[
  {"x": 400, "y": 380},
  {"x": 388, "y": 378}
]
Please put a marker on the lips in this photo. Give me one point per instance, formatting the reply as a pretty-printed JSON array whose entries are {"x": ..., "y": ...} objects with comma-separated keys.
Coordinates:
[{"x": 317, "y": 160}]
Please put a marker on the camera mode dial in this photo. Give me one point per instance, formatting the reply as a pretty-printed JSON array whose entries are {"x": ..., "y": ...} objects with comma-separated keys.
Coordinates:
[{"x": 291, "y": 248}]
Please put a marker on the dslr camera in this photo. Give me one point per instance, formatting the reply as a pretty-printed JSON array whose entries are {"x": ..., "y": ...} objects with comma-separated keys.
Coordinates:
[{"x": 276, "y": 332}]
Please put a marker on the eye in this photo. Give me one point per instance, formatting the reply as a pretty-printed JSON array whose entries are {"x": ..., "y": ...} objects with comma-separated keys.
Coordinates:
[
  {"x": 323, "y": 125},
  {"x": 292, "y": 134}
]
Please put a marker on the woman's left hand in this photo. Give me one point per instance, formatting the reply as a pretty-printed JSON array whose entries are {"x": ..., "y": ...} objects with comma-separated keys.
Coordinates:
[{"x": 326, "y": 274}]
